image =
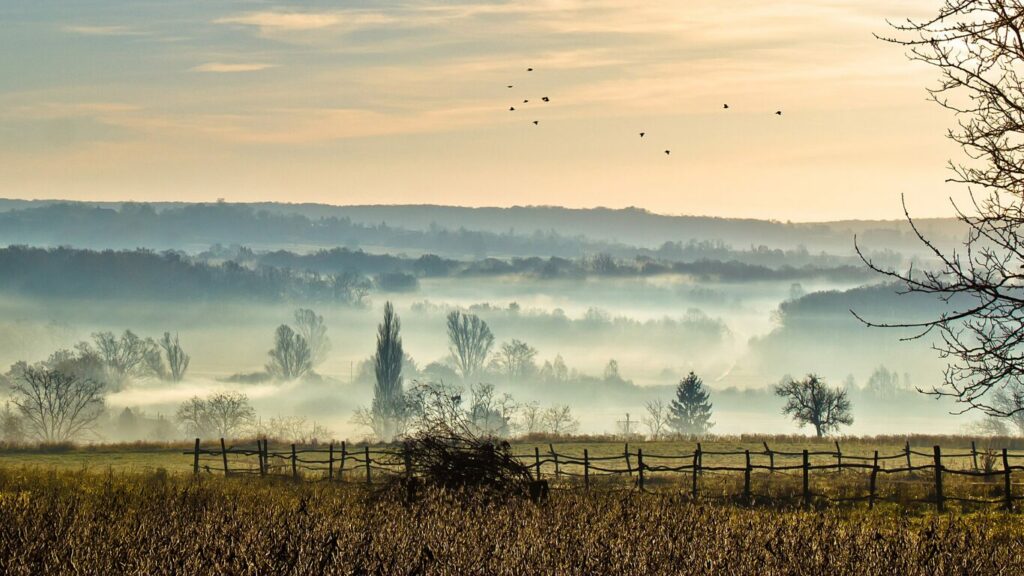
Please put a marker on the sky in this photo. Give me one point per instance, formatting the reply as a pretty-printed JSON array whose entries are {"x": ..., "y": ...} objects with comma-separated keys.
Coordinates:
[{"x": 364, "y": 102}]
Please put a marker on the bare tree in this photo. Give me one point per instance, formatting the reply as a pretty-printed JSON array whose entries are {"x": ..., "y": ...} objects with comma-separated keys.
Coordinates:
[
  {"x": 656, "y": 419},
  {"x": 56, "y": 406},
  {"x": 490, "y": 413},
  {"x": 555, "y": 370},
  {"x": 388, "y": 396},
  {"x": 470, "y": 341},
  {"x": 1010, "y": 401},
  {"x": 124, "y": 356},
  {"x": 977, "y": 48},
  {"x": 811, "y": 401},
  {"x": 515, "y": 360},
  {"x": 558, "y": 420},
  {"x": 292, "y": 429},
  {"x": 12, "y": 426},
  {"x": 177, "y": 359},
  {"x": 229, "y": 414},
  {"x": 310, "y": 326},
  {"x": 531, "y": 418},
  {"x": 192, "y": 416},
  {"x": 290, "y": 357}
]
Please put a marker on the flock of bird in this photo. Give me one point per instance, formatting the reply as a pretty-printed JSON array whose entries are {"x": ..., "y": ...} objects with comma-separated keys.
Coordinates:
[{"x": 642, "y": 134}]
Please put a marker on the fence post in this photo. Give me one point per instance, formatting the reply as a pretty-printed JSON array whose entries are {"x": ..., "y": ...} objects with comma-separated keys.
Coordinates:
[
  {"x": 341, "y": 466},
  {"x": 366, "y": 455},
  {"x": 195, "y": 459},
  {"x": 746, "y": 479},
  {"x": 224, "y": 456},
  {"x": 874, "y": 479},
  {"x": 771, "y": 457},
  {"x": 974, "y": 455},
  {"x": 295, "y": 463},
  {"x": 909, "y": 465},
  {"x": 330, "y": 462},
  {"x": 807, "y": 484},
  {"x": 259, "y": 457},
  {"x": 536, "y": 461},
  {"x": 839, "y": 457},
  {"x": 586, "y": 469},
  {"x": 640, "y": 467},
  {"x": 266, "y": 456},
  {"x": 696, "y": 470},
  {"x": 1006, "y": 481},
  {"x": 700, "y": 459},
  {"x": 629, "y": 466},
  {"x": 558, "y": 472},
  {"x": 940, "y": 501}
]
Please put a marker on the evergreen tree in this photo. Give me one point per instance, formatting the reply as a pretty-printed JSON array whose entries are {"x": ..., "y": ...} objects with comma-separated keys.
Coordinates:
[
  {"x": 388, "y": 395},
  {"x": 690, "y": 411}
]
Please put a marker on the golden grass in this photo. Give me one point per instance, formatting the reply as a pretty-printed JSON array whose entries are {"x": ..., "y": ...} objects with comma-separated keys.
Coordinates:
[{"x": 58, "y": 522}]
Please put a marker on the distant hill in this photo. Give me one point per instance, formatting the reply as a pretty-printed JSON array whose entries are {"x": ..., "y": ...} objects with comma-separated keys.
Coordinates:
[{"x": 631, "y": 227}]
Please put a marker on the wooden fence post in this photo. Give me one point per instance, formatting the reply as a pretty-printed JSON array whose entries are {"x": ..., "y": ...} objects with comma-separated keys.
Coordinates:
[
  {"x": 807, "y": 485},
  {"x": 874, "y": 479},
  {"x": 940, "y": 501},
  {"x": 746, "y": 479},
  {"x": 266, "y": 456},
  {"x": 909, "y": 465},
  {"x": 558, "y": 472},
  {"x": 640, "y": 467},
  {"x": 586, "y": 469},
  {"x": 536, "y": 461},
  {"x": 696, "y": 470},
  {"x": 341, "y": 465},
  {"x": 295, "y": 463},
  {"x": 259, "y": 457},
  {"x": 839, "y": 458},
  {"x": 330, "y": 462},
  {"x": 629, "y": 466},
  {"x": 224, "y": 456},
  {"x": 195, "y": 459},
  {"x": 771, "y": 457},
  {"x": 700, "y": 459},
  {"x": 974, "y": 455},
  {"x": 366, "y": 454},
  {"x": 1006, "y": 481}
]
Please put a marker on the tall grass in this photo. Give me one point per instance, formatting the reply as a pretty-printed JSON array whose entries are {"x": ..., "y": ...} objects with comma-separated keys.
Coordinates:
[{"x": 57, "y": 522}]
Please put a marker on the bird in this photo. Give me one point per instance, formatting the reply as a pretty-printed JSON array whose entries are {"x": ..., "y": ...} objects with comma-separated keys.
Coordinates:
[
  {"x": 668, "y": 152},
  {"x": 778, "y": 112},
  {"x": 526, "y": 101},
  {"x": 642, "y": 134},
  {"x": 529, "y": 69},
  {"x": 510, "y": 86},
  {"x": 546, "y": 99},
  {"x": 511, "y": 108},
  {"x": 536, "y": 122},
  {"x": 725, "y": 106}
]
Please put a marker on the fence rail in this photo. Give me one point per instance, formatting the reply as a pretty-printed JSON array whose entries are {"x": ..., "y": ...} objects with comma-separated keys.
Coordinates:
[{"x": 343, "y": 463}]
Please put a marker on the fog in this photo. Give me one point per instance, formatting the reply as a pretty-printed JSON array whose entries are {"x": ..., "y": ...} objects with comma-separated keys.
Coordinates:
[
  {"x": 741, "y": 318},
  {"x": 656, "y": 330}
]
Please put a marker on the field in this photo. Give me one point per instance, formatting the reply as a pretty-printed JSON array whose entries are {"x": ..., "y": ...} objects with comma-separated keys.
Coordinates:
[
  {"x": 66, "y": 521},
  {"x": 148, "y": 456}
]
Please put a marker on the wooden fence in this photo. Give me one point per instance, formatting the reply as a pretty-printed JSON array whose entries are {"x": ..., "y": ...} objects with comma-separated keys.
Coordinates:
[{"x": 342, "y": 463}]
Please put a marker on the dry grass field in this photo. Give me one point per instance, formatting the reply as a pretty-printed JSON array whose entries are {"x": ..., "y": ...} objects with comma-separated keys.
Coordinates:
[{"x": 76, "y": 522}]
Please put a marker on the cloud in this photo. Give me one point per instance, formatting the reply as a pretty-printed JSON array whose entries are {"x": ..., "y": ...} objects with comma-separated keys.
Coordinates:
[
  {"x": 220, "y": 67},
  {"x": 103, "y": 31},
  {"x": 275, "y": 22}
]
